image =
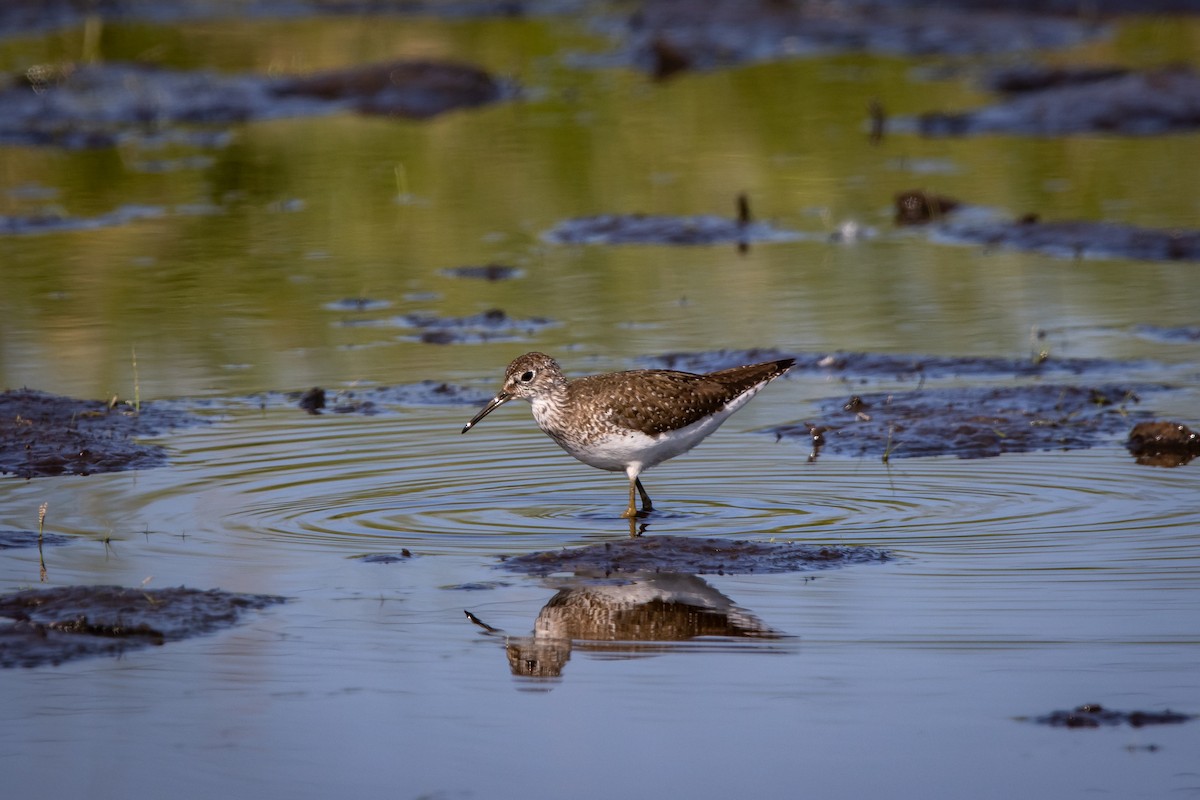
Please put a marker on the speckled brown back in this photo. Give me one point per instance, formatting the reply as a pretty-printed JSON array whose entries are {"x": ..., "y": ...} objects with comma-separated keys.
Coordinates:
[{"x": 658, "y": 401}]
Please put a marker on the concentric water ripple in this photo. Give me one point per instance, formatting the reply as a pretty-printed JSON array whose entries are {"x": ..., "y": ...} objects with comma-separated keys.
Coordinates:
[{"x": 377, "y": 483}]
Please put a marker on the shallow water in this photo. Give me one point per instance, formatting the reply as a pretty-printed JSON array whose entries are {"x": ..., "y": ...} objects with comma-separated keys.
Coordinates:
[{"x": 1019, "y": 585}]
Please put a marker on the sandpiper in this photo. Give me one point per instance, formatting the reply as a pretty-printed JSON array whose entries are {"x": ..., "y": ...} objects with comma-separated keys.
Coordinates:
[{"x": 629, "y": 421}]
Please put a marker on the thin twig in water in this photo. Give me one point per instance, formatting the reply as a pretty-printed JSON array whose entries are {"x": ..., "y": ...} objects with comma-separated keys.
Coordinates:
[
  {"x": 41, "y": 528},
  {"x": 480, "y": 622}
]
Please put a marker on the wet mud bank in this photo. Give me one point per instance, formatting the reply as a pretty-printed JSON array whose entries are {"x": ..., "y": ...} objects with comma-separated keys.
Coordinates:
[
  {"x": 976, "y": 422},
  {"x": 24, "y": 16},
  {"x": 665, "y": 37},
  {"x": 1064, "y": 101},
  {"x": 52, "y": 626},
  {"x": 43, "y": 434},
  {"x": 106, "y": 104},
  {"x": 491, "y": 325},
  {"x": 950, "y": 221},
  {"x": 691, "y": 555},
  {"x": 704, "y": 229},
  {"x": 875, "y": 367},
  {"x": 377, "y": 400},
  {"x": 1073, "y": 239}
]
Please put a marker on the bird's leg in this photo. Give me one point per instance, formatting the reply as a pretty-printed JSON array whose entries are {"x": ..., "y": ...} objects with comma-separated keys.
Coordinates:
[
  {"x": 647, "y": 506},
  {"x": 632, "y": 512}
]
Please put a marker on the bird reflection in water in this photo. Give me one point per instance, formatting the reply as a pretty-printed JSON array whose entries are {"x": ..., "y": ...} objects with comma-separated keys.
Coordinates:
[{"x": 641, "y": 613}]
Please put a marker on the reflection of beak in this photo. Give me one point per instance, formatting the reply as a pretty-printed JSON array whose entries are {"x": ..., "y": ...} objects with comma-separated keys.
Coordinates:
[{"x": 497, "y": 401}]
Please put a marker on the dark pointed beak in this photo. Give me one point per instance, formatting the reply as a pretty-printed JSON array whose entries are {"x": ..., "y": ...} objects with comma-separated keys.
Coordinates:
[{"x": 493, "y": 404}]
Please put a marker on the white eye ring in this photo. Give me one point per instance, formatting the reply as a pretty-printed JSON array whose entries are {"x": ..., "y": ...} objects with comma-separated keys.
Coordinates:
[{"x": 527, "y": 376}]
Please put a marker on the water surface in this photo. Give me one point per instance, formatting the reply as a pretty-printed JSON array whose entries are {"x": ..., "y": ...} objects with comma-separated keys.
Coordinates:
[{"x": 1019, "y": 585}]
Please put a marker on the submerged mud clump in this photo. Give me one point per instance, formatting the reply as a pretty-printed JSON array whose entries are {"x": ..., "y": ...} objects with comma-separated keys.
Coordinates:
[
  {"x": 43, "y": 434},
  {"x": 1074, "y": 239},
  {"x": 667, "y": 36},
  {"x": 51, "y": 626},
  {"x": 1163, "y": 444},
  {"x": 483, "y": 272},
  {"x": 14, "y": 539},
  {"x": 368, "y": 400},
  {"x": 693, "y": 556},
  {"x": 887, "y": 366},
  {"x": 1093, "y": 715},
  {"x": 58, "y": 222},
  {"x": 1056, "y": 103},
  {"x": 948, "y": 220},
  {"x": 661, "y": 229},
  {"x": 416, "y": 89},
  {"x": 976, "y": 422},
  {"x": 487, "y": 326},
  {"x": 376, "y": 400},
  {"x": 105, "y": 104}
]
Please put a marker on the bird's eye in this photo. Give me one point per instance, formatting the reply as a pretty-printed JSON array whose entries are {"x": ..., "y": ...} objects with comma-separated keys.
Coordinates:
[{"x": 527, "y": 376}]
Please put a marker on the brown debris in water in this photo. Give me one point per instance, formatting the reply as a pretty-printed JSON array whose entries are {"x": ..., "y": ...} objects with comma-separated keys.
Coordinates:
[
  {"x": 917, "y": 207},
  {"x": 1163, "y": 444},
  {"x": 51, "y": 626}
]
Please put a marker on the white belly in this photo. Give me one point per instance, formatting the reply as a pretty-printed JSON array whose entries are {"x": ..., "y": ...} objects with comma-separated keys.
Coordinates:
[{"x": 621, "y": 451}]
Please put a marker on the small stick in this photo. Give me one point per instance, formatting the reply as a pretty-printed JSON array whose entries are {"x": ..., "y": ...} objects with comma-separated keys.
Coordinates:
[{"x": 480, "y": 622}]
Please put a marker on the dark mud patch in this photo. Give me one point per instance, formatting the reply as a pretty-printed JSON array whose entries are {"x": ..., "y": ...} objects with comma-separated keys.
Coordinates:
[
  {"x": 493, "y": 325},
  {"x": 10, "y": 540},
  {"x": 891, "y": 366},
  {"x": 44, "y": 434},
  {"x": 484, "y": 272},
  {"x": 1069, "y": 239},
  {"x": 105, "y": 104},
  {"x": 665, "y": 37},
  {"x": 51, "y": 626},
  {"x": 17, "y": 16},
  {"x": 58, "y": 223},
  {"x": 969, "y": 422},
  {"x": 1054, "y": 102},
  {"x": 1159, "y": 333},
  {"x": 691, "y": 555},
  {"x": 378, "y": 399},
  {"x": 949, "y": 220},
  {"x": 358, "y": 304},
  {"x": 702, "y": 229},
  {"x": 386, "y": 558},
  {"x": 1093, "y": 715},
  {"x": 1163, "y": 444},
  {"x": 413, "y": 89}
]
